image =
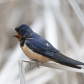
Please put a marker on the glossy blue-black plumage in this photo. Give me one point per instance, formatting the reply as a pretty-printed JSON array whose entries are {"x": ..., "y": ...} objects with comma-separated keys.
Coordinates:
[
  {"x": 41, "y": 46},
  {"x": 38, "y": 45}
]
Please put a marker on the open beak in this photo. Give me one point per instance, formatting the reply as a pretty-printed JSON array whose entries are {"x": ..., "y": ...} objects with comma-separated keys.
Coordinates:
[
  {"x": 17, "y": 35},
  {"x": 16, "y": 31},
  {"x": 13, "y": 36}
]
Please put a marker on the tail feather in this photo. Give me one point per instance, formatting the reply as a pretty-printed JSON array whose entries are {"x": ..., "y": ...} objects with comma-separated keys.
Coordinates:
[
  {"x": 70, "y": 65},
  {"x": 62, "y": 59}
]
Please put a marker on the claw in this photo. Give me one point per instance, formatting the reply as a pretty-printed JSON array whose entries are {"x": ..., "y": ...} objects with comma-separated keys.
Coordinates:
[
  {"x": 38, "y": 66},
  {"x": 37, "y": 63}
]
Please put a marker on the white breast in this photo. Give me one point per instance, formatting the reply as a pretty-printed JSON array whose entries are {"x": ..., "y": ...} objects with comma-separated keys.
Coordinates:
[{"x": 34, "y": 56}]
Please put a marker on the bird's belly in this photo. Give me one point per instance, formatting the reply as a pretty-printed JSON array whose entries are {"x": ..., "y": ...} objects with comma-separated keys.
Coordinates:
[{"x": 34, "y": 56}]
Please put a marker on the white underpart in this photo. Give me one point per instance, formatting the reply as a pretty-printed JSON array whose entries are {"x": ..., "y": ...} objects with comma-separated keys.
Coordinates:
[{"x": 34, "y": 56}]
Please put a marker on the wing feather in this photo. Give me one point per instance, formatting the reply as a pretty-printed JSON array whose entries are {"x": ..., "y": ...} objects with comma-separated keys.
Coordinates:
[{"x": 39, "y": 46}]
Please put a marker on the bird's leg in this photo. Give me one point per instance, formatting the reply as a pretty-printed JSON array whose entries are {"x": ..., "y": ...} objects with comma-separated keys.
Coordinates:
[
  {"x": 30, "y": 64},
  {"x": 37, "y": 62}
]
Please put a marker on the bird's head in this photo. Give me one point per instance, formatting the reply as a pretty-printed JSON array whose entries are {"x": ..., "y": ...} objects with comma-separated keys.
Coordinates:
[{"x": 23, "y": 31}]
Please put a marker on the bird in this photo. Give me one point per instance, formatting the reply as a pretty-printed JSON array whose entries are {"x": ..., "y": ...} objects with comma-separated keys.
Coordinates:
[{"x": 37, "y": 48}]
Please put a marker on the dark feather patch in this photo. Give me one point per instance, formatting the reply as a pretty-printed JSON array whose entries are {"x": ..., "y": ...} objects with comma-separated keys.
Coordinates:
[
  {"x": 22, "y": 42},
  {"x": 62, "y": 59}
]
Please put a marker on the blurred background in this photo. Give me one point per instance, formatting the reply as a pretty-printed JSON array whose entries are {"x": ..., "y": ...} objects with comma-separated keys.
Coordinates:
[{"x": 61, "y": 22}]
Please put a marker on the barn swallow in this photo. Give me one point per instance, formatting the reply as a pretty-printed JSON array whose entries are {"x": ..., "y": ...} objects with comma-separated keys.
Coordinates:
[{"x": 37, "y": 48}]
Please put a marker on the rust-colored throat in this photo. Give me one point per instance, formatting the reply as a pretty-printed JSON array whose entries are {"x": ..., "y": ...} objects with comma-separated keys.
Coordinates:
[{"x": 18, "y": 36}]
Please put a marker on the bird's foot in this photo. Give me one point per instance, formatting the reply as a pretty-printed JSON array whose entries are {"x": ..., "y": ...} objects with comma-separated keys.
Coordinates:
[
  {"x": 38, "y": 66},
  {"x": 30, "y": 64},
  {"x": 37, "y": 63}
]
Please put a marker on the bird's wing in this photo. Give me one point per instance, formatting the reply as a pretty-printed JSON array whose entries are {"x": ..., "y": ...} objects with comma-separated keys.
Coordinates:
[{"x": 43, "y": 47}]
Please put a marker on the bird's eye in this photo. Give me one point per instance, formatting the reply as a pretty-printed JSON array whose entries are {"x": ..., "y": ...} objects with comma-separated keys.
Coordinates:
[{"x": 20, "y": 29}]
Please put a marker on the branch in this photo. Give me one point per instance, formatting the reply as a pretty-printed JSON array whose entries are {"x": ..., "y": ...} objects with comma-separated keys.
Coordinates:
[{"x": 55, "y": 66}]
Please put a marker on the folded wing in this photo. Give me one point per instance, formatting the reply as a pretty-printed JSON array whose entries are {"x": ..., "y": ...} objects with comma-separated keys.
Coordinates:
[{"x": 43, "y": 47}]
